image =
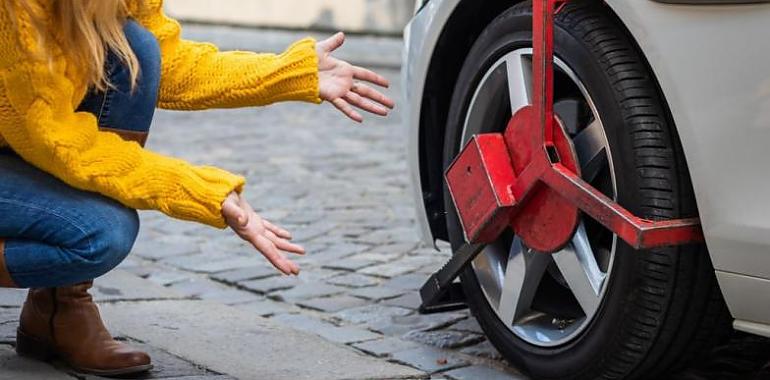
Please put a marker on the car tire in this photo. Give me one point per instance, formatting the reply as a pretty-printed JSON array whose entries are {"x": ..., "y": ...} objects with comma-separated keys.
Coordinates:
[{"x": 662, "y": 307}]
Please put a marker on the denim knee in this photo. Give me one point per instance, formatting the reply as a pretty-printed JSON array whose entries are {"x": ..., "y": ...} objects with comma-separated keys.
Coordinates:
[{"x": 111, "y": 238}]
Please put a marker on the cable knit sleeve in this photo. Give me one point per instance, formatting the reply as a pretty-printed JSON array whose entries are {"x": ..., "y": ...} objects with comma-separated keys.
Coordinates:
[
  {"x": 197, "y": 75},
  {"x": 42, "y": 127}
]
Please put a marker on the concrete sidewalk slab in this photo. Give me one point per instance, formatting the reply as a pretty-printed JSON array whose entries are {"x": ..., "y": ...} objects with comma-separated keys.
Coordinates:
[
  {"x": 237, "y": 343},
  {"x": 13, "y": 367}
]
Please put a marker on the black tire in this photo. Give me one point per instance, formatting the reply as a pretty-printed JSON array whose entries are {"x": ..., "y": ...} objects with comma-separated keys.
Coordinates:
[{"x": 663, "y": 306}]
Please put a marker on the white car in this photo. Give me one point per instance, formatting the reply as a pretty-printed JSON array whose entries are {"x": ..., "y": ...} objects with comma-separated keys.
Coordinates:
[{"x": 668, "y": 105}]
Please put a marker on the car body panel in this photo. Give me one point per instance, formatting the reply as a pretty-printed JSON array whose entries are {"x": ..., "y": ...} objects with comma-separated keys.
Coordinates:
[{"x": 712, "y": 63}]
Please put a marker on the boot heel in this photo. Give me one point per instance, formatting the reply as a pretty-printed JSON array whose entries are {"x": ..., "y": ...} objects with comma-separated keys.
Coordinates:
[{"x": 31, "y": 347}]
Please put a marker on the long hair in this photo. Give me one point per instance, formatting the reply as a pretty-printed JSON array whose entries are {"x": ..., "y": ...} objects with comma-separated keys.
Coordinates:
[{"x": 85, "y": 31}]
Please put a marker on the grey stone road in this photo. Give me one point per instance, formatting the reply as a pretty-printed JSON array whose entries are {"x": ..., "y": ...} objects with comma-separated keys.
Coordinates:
[{"x": 207, "y": 306}]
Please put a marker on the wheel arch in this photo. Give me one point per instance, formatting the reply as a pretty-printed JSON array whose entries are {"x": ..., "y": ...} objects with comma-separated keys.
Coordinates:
[{"x": 458, "y": 35}]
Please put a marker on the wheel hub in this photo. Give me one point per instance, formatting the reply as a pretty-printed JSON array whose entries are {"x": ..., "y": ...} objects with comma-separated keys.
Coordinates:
[{"x": 546, "y": 221}]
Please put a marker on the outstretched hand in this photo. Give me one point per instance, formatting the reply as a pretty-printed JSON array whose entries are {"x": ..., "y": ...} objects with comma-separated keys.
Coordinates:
[
  {"x": 341, "y": 83},
  {"x": 270, "y": 240}
]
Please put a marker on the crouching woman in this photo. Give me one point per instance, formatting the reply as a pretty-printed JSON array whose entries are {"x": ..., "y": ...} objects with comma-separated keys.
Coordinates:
[{"x": 79, "y": 82}]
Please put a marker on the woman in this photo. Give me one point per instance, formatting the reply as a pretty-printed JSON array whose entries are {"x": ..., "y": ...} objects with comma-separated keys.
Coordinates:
[{"x": 80, "y": 81}]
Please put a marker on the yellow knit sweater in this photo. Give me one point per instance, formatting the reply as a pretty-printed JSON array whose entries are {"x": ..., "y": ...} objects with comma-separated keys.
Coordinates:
[{"x": 38, "y": 118}]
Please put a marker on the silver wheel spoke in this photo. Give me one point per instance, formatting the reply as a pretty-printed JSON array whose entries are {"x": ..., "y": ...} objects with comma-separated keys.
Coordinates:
[
  {"x": 523, "y": 273},
  {"x": 519, "y": 81},
  {"x": 590, "y": 147},
  {"x": 581, "y": 271}
]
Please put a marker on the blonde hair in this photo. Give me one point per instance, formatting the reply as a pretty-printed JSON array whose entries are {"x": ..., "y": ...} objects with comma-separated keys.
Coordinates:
[{"x": 85, "y": 31}]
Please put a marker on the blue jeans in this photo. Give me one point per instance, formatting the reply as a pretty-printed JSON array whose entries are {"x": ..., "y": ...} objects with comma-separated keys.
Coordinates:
[{"x": 56, "y": 235}]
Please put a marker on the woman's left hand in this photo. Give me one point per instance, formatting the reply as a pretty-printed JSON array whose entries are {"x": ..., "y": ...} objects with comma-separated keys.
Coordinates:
[{"x": 341, "y": 84}]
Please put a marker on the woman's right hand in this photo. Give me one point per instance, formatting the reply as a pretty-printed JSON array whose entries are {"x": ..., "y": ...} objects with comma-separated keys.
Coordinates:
[{"x": 267, "y": 238}]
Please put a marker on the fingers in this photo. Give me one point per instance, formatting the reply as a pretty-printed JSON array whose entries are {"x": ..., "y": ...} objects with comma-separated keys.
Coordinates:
[
  {"x": 284, "y": 244},
  {"x": 373, "y": 94},
  {"x": 270, "y": 251},
  {"x": 344, "y": 107},
  {"x": 370, "y": 76},
  {"x": 278, "y": 231},
  {"x": 332, "y": 43},
  {"x": 357, "y": 100}
]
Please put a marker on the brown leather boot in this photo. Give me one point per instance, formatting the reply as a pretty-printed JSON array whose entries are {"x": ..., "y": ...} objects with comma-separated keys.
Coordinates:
[
  {"x": 64, "y": 322},
  {"x": 5, "y": 277}
]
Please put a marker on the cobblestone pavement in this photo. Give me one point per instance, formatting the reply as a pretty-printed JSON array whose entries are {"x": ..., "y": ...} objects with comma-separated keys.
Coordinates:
[{"x": 343, "y": 189}]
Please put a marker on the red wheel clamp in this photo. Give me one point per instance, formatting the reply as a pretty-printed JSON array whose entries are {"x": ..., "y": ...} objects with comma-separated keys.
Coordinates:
[{"x": 528, "y": 179}]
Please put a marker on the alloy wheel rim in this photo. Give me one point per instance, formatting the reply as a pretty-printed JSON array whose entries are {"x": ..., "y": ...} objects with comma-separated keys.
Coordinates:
[{"x": 546, "y": 300}]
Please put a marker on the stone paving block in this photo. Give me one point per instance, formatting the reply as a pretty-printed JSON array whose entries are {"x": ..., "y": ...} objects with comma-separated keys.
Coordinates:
[
  {"x": 244, "y": 274},
  {"x": 316, "y": 275},
  {"x": 386, "y": 346},
  {"x": 306, "y": 291},
  {"x": 312, "y": 231},
  {"x": 477, "y": 372},
  {"x": 406, "y": 282},
  {"x": 377, "y": 293},
  {"x": 266, "y": 307},
  {"x": 390, "y": 235},
  {"x": 444, "y": 338},
  {"x": 119, "y": 285},
  {"x": 171, "y": 226},
  {"x": 12, "y": 297},
  {"x": 350, "y": 264},
  {"x": 397, "y": 325},
  {"x": 239, "y": 344},
  {"x": 422, "y": 261},
  {"x": 484, "y": 349},
  {"x": 353, "y": 232},
  {"x": 370, "y": 313},
  {"x": 394, "y": 248},
  {"x": 469, "y": 324},
  {"x": 353, "y": 280},
  {"x": 208, "y": 266},
  {"x": 188, "y": 261},
  {"x": 267, "y": 285},
  {"x": 14, "y": 367},
  {"x": 338, "y": 334},
  {"x": 348, "y": 335},
  {"x": 143, "y": 269},
  {"x": 378, "y": 257},
  {"x": 159, "y": 248},
  {"x": 429, "y": 359},
  {"x": 306, "y": 216},
  {"x": 333, "y": 304},
  {"x": 196, "y": 286},
  {"x": 166, "y": 278},
  {"x": 9, "y": 320},
  {"x": 388, "y": 270},
  {"x": 409, "y": 300},
  {"x": 225, "y": 245},
  {"x": 230, "y": 296},
  {"x": 339, "y": 250}
]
